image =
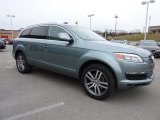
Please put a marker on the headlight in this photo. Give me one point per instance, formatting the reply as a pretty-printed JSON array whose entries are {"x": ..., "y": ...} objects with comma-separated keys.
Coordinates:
[
  {"x": 128, "y": 57},
  {"x": 152, "y": 58}
]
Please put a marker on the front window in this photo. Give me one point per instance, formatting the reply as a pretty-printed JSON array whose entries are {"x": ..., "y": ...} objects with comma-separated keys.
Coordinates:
[{"x": 56, "y": 33}]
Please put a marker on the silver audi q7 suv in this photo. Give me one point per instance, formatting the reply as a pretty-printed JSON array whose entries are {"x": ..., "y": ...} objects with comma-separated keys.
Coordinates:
[{"x": 101, "y": 65}]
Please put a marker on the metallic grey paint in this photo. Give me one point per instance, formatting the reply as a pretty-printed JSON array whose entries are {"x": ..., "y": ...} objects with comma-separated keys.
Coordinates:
[{"x": 64, "y": 58}]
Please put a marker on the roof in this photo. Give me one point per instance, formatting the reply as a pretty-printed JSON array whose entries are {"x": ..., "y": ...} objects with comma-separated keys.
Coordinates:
[{"x": 43, "y": 24}]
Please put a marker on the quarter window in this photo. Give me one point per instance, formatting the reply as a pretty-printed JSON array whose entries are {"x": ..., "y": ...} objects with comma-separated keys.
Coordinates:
[
  {"x": 39, "y": 32},
  {"x": 25, "y": 33}
]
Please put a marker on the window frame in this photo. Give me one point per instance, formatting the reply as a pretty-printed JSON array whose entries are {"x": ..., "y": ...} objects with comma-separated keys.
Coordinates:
[
  {"x": 25, "y": 36},
  {"x": 67, "y": 31},
  {"x": 46, "y": 37}
]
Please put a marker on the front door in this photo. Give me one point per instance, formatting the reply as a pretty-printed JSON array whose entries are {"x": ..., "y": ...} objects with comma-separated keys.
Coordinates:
[{"x": 59, "y": 54}]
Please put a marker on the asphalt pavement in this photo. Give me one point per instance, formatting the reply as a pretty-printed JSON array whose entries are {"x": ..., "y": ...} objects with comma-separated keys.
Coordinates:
[{"x": 44, "y": 95}]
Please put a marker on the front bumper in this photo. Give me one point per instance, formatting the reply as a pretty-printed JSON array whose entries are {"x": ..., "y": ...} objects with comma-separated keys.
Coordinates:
[
  {"x": 137, "y": 74},
  {"x": 135, "y": 83}
]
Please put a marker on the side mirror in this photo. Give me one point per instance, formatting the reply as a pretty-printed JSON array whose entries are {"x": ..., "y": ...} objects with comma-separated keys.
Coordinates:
[{"x": 65, "y": 37}]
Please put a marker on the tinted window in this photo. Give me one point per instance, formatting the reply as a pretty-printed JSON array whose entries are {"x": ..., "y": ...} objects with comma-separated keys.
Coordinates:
[
  {"x": 25, "y": 33},
  {"x": 39, "y": 32},
  {"x": 56, "y": 32}
]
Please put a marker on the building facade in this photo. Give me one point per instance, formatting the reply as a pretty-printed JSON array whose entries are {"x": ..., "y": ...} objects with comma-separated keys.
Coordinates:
[
  {"x": 154, "y": 29},
  {"x": 8, "y": 34}
]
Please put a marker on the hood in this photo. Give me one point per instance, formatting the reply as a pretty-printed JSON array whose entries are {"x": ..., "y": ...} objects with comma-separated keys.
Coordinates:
[{"x": 111, "y": 47}]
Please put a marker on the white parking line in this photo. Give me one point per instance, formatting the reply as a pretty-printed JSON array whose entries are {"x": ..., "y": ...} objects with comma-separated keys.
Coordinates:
[
  {"x": 11, "y": 61},
  {"x": 14, "y": 73},
  {"x": 35, "y": 111},
  {"x": 9, "y": 66}
]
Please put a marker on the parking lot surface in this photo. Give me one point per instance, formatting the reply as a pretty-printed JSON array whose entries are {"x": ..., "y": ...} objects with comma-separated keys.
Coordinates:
[{"x": 43, "y": 95}]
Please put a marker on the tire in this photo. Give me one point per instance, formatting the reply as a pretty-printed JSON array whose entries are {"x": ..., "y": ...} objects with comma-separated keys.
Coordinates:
[
  {"x": 22, "y": 64},
  {"x": 98, "y": 81}
]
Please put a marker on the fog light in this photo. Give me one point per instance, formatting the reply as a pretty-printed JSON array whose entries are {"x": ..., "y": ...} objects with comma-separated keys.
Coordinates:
[{"x": 136, "y": 75}]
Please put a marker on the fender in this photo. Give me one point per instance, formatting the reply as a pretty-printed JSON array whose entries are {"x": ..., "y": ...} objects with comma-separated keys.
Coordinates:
[
  {"x": 106, "y": 58},
  {"x": 21, "y": 48}
]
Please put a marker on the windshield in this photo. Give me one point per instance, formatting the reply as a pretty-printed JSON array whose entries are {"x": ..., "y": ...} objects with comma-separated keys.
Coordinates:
[
  {"x": 148, "y": 43},
  {"x": 86, "y": 34}
]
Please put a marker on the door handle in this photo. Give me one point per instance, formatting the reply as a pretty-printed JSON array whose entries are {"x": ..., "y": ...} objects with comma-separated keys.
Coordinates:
[{"x": 45, "y": 46}]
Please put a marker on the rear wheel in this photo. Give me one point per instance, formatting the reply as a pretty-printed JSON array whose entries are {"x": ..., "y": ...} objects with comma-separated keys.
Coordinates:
[
  {"x": 98, "y": 81},
  {"x": 21, "y": 63}
]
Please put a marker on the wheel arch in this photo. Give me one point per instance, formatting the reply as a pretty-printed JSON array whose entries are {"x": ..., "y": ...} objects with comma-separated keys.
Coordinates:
[
  {"x": 90, "y": 62},
  {"x": 19, "y": 48},
  {"x": 17, "y": 52}
]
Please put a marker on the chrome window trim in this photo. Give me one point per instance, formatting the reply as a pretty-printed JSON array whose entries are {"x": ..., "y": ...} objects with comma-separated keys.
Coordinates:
[{"x": 50, "y": 25}]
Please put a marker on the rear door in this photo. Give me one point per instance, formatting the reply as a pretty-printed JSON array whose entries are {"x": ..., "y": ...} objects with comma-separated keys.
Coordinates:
[{"x": 35, "y": 44}]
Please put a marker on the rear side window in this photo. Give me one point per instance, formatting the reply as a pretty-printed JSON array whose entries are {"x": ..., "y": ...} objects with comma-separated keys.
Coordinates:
[
  {"x": 25, "y": 33},
  {"x": 39, "y": 32}
]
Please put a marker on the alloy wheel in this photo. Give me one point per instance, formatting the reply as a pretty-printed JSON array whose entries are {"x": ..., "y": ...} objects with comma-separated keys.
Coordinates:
[
  {"x": 20, "y": 63},
  {"x": 96, "y": 82}
]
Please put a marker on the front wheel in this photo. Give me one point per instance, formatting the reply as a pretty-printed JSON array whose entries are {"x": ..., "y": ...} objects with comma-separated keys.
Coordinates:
[
  {"x": 21, "y": 63},
  {"x": 98, "y": 81}
]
